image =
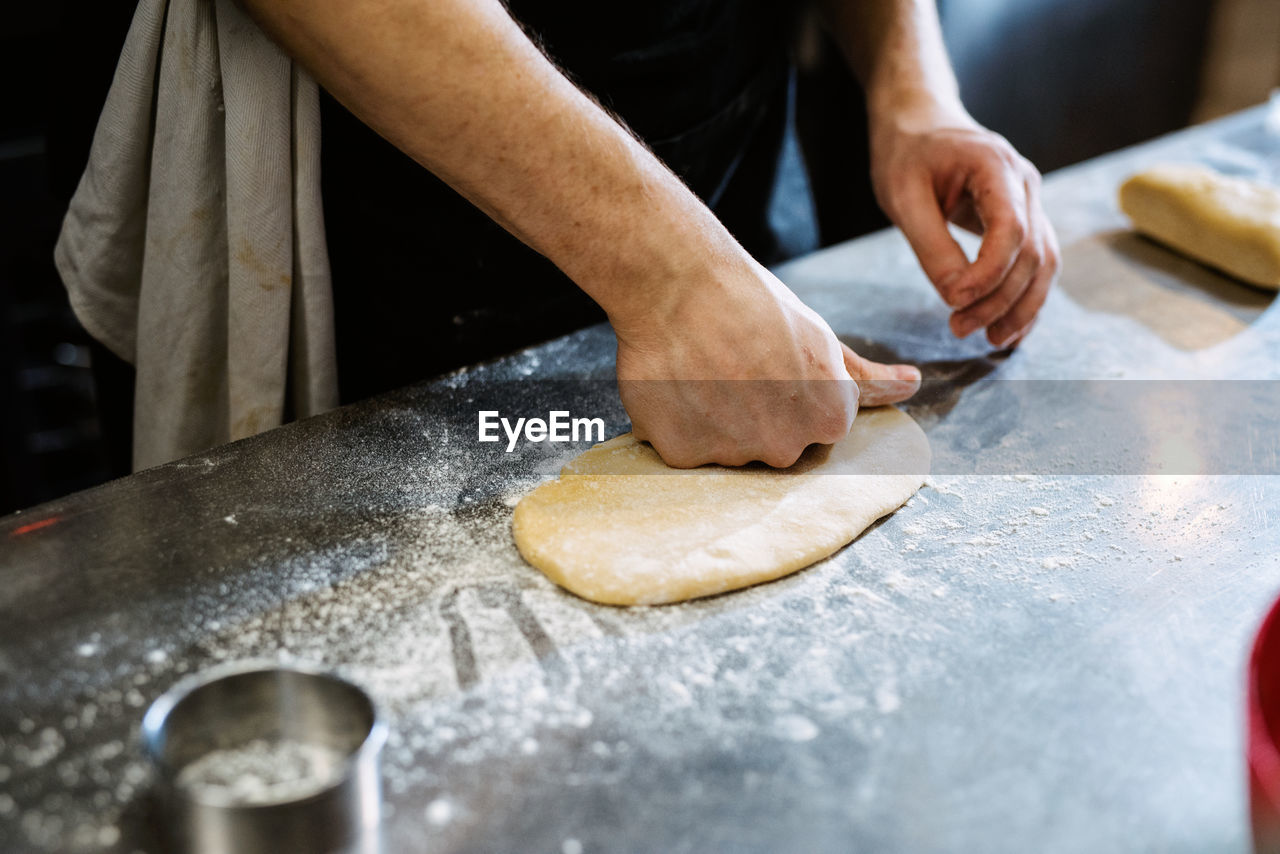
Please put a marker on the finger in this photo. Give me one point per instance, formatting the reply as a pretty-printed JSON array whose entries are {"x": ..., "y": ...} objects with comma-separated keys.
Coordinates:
[
  {"x": 1019, "y": 319},
  {"x": 1038, "y": 220},
  {"x": 880, "y": 384},
  {"x": 1051, "y": 253},
  {"x": 1032, "y": 254},
  {"x": 925, "y": 227},
  {"x": 995, "y": 305},
  {"x": 1000, "y": 201}
]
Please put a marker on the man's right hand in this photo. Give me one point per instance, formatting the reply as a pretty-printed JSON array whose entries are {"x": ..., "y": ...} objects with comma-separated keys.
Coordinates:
[
  {"x": 738, "y": 369},
  {"x": 458, "y": 86}
]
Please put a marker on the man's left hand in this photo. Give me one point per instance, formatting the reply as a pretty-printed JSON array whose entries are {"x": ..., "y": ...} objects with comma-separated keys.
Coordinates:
[{"x": 931, "y": 165}]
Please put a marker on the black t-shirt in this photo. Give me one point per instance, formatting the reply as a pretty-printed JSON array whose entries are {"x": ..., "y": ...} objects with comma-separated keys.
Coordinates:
[{"x": 425, "y": 282}]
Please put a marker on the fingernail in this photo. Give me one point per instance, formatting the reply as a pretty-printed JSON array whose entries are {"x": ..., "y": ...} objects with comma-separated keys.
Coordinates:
[{"x": 964, "y": 327}]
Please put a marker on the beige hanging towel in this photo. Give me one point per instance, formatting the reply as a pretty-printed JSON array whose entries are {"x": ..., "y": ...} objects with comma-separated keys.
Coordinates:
[{"x": 194, "y": 245}]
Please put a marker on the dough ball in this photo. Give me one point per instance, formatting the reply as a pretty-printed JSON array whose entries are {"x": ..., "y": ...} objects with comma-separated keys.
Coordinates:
[{"x": 1227, "y": 223}]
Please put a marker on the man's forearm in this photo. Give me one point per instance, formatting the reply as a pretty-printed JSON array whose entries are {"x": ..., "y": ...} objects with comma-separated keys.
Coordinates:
[
  {"x": 895, "y": 48},
  {"x": 458, "y": 86}
]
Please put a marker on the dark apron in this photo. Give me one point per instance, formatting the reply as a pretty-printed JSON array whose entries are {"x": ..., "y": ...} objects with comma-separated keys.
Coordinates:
[{"x": 424, "y": 282}]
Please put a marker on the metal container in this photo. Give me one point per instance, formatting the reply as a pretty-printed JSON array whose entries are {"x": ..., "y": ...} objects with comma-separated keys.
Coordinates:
[{"x": 215, "y": 737}]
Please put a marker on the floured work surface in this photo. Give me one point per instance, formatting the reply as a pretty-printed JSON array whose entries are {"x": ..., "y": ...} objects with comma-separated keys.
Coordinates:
[
  {"x": 622, "y": 528},
  {"x": 793, "y": 716}
]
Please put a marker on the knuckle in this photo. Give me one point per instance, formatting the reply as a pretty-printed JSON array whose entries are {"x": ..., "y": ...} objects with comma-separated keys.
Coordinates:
[
  {"x": 1002, "y": 303},
  {"x": 832, "y": 425},
  {"x": 1040, "y": 297},
  {"x": 782, "y": 457},
  {"x": 679, "y": 458},
  {"x": 730, "y": 454},
  {"x": 952, "y": 286},
  {"x": 676, "y": 450},
  {"x": 963, "y": 308},
  {"x": 894, "y": 188},
  {"x": 1009, "y": 222},
  {"x": 1017, "y": 318},
  {"x": 974, "y": 293},
  {"x": 1017, "y": 227},
  {"x": 987, "y": 313},
  {"x": 1052, "y": 258},
  {"x": 1017, "y": 292}
]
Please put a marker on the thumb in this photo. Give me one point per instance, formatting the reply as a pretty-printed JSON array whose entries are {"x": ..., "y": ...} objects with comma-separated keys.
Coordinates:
[{"x": 880, "y": 384}]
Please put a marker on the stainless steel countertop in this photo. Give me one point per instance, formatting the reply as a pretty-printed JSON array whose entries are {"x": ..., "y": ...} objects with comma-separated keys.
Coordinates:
[{"x": 1014, "y": 661}]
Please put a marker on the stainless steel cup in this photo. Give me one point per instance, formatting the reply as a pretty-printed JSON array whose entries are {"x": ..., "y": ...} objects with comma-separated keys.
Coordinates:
[{"x": 237, "y": 708}]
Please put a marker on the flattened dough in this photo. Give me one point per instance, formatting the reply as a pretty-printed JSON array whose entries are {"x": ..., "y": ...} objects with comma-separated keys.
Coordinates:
[
  {"x": 1225, "y": 222},
  {"x": 621, "y": 528}
]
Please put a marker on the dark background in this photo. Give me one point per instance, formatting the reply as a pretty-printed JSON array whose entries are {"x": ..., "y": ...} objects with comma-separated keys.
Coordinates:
[{"x": 1064, "y": 80}]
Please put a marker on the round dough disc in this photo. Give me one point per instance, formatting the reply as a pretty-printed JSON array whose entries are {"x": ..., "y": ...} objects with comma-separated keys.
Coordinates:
[{"x": 622, "y": 528}]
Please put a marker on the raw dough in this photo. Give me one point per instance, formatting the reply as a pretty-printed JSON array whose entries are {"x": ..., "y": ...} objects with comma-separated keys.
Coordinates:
[
  {"x": 1228, "y": 223},
  {"x": 621, "y": 528}
]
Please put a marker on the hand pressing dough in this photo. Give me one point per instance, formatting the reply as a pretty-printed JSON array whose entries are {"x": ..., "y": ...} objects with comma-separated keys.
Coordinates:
[
  {"x": 1228, "y": 223},
  {"x": 622, "y": 528}
]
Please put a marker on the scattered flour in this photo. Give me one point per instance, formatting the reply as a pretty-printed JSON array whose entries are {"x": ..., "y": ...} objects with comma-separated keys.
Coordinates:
[
  {"x": 887, "y": 699},
  {"x": 262, "y": 772},
  {"x": 481, "y": 661},
  {"x": 440, "y": 811},
  {"x": 795, "y": 728}
]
